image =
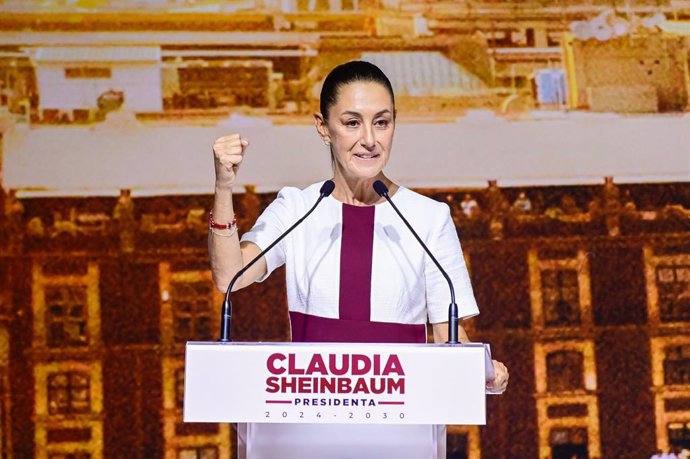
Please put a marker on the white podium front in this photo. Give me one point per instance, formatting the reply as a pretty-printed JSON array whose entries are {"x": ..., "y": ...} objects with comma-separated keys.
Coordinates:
[
  {"x": 337, "y": 400},
  {"x": 338, "y": 441}
]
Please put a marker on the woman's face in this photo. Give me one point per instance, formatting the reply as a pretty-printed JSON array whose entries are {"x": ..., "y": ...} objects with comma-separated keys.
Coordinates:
[{"x": 360, "y": 129}]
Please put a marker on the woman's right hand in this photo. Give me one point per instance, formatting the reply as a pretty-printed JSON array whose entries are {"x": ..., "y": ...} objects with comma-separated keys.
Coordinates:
[{"x": 228, "y": 152}]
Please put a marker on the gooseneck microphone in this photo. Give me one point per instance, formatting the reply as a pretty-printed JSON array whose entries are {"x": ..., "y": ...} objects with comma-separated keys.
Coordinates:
[
  {"x": 382, "y": 190},
  {"x": 226, "y": 311}
]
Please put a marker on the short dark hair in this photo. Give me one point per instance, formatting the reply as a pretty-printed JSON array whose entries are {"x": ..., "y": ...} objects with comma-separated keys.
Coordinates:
[{"x": 347, "y": 73}]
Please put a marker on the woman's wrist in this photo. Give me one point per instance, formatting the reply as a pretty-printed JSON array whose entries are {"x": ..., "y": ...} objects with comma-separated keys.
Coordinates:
[
  {"x": 222, "y": 202},
  {"x": 222, "y": 214},
  {"x": 222, "y": 226},
  {"x": 224, "y": 187}
]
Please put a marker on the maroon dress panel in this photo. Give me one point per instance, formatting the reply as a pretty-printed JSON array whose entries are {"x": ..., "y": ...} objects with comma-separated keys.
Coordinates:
[{"x": 354, "y": 324}]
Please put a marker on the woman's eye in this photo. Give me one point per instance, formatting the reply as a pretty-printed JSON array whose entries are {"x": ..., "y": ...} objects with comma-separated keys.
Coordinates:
[
  {"x": 352, "y": 123},
  {"x": 382, "y": 123}
]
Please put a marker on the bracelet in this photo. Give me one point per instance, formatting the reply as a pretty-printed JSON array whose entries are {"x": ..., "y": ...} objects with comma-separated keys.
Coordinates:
[
  {"x": 232, "y": 232},
  {"x": 213, "y": 224}
]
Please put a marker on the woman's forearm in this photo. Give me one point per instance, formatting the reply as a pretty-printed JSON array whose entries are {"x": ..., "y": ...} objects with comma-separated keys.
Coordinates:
[{"x": 224, "y": 244}]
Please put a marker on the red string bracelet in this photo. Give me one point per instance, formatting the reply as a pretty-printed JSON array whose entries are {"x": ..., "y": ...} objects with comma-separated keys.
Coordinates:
[{"x": 215, "y": 225}]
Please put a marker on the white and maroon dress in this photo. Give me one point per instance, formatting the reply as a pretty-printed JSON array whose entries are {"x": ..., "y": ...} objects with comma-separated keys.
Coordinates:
[{"x": 357, "y": 274}]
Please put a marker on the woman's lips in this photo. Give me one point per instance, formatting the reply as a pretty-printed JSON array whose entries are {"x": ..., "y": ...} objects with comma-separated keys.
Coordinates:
[{"x": 367, "y": 156}]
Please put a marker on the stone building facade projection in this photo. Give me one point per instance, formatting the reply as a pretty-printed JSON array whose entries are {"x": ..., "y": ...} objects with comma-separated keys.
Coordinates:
[{"x": 593, "y": 326}]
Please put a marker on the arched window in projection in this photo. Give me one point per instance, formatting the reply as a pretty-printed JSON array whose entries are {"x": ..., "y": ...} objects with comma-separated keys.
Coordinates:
[
  {"x": 69, "y": 392},
  {"x": 189, "y": 304},
  {"x": 565, "y": 371},
  {"x": 668, "y": 285},
  {"x": 67, "y": 305},
  {"x": 677, "y": 365},
  {"x": 673, "y": 284},
  {"x": 193, "y": 312},
  {"x": 560, "y": 289},
  {"x": 561, "y": 301},
  {"x": 66, "y": 315}
]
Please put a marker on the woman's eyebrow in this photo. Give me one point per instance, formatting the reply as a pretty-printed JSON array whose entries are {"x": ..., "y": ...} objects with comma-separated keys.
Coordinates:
[{"x": 357, "y": 114}]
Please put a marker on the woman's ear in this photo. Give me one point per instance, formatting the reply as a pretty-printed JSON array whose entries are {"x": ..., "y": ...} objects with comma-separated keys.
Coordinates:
[{"x": 321, "y": 127}]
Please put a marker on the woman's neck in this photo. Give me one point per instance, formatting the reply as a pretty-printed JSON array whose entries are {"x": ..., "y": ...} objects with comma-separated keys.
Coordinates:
[{"x": 360, "y": 192}]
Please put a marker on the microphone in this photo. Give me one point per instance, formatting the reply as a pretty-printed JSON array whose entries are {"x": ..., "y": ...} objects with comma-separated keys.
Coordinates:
[
  {"x": 226, "y": 311},
  {"x": 382, "y": 191}
]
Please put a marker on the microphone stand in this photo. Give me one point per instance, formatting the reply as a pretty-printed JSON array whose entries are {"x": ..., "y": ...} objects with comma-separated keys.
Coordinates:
[
  {"x": 226, "y": 310},
  {"x": 382, "y": 190}
]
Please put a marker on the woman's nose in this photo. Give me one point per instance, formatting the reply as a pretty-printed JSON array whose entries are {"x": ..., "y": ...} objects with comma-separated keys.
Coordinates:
[{"x": 368, "y": 139}]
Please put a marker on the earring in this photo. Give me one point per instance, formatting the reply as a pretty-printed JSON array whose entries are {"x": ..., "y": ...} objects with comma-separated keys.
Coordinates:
[{"x": 327, "y": 143}]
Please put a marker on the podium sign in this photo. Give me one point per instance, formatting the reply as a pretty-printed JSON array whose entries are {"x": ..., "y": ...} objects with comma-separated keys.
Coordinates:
[{"x": 328, "y": 383}]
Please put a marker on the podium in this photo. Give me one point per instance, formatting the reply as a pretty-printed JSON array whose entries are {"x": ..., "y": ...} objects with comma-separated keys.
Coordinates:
[{"x": 337, "y": 400}]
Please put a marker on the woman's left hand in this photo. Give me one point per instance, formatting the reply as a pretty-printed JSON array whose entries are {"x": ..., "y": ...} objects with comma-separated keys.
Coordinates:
[{"x": 500, "y": 382}]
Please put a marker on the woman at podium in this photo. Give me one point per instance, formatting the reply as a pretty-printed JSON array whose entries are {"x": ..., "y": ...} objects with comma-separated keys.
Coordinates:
[{"x": 354, "y": 272}]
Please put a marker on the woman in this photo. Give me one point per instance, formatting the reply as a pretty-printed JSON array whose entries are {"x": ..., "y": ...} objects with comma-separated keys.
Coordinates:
[{"x": 387, "y": 287}]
